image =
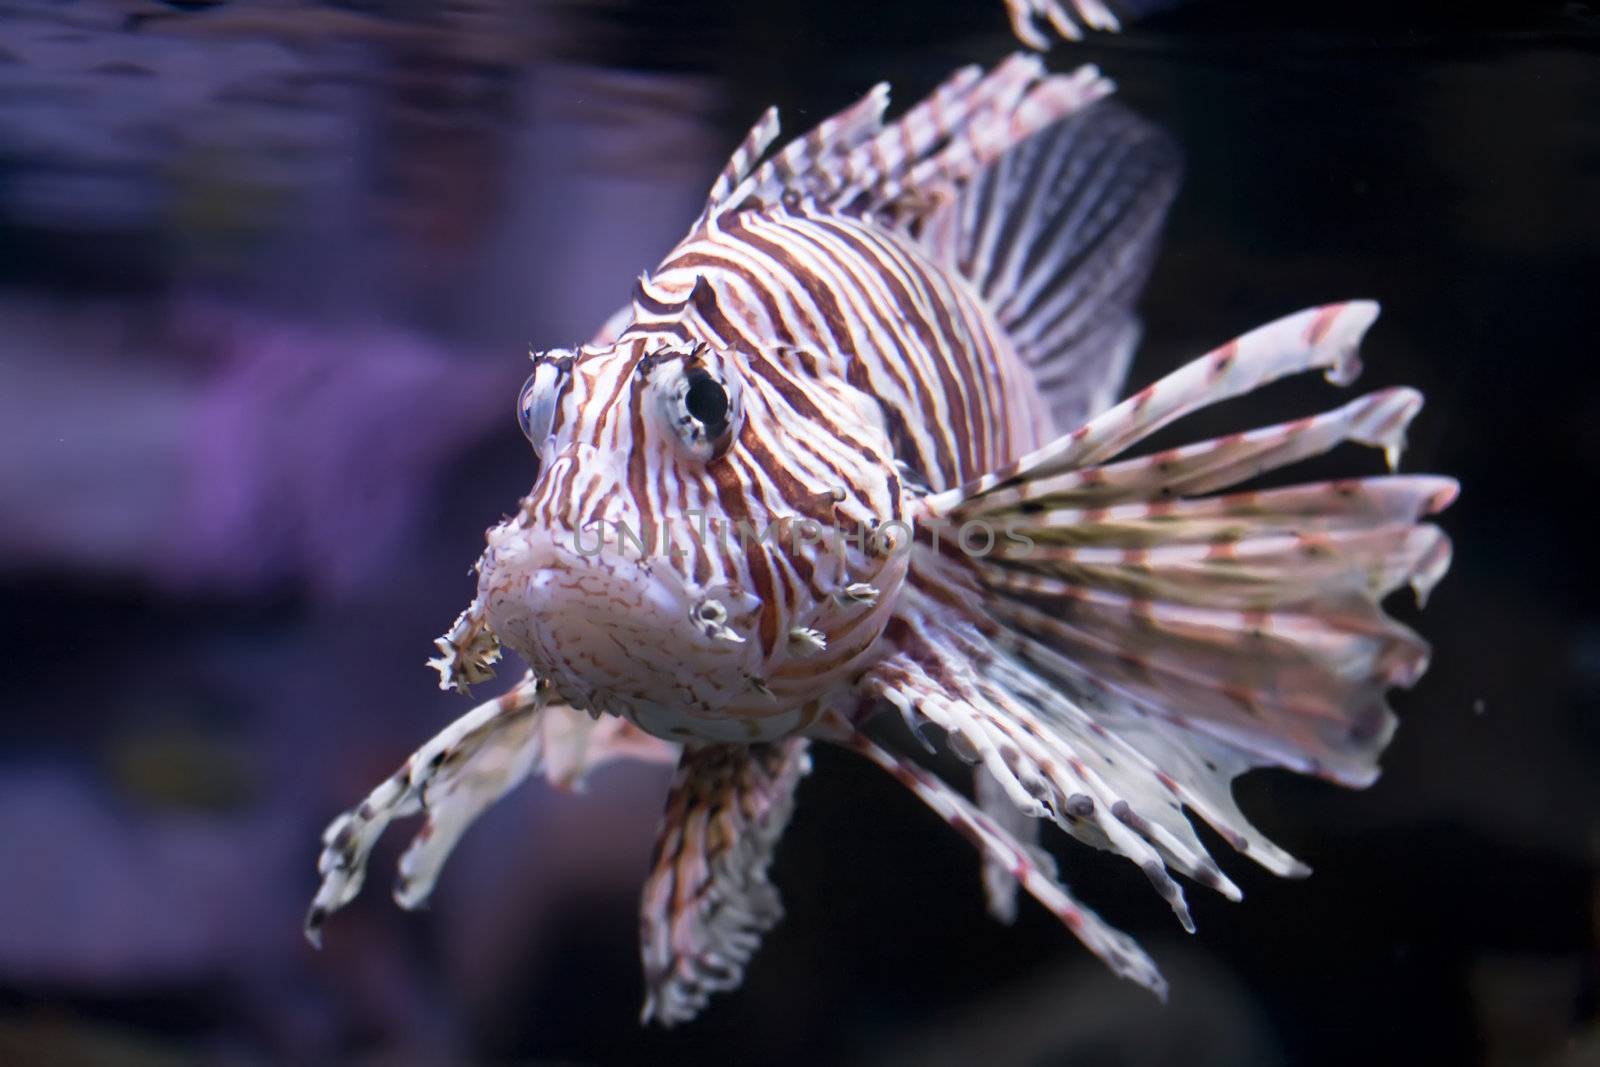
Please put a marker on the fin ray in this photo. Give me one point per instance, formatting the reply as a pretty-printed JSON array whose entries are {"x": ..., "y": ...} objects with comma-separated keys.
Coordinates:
[
  {"x": 1116, "y": 949},
  {"x": 707, "y": 900},
  {"x": 462, "y": 771},
  {"x": 1141, "y": 645}
]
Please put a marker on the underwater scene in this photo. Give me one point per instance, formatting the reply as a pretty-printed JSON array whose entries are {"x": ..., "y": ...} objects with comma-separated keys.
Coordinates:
[{"x": 1020, "y": 532}]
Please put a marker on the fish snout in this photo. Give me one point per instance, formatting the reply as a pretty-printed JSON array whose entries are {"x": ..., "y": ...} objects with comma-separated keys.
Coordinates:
[{"x": 615, "y": 630}]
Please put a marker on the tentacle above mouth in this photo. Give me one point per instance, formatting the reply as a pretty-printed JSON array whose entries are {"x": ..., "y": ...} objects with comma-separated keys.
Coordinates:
[{"x": 618, "y": 632}]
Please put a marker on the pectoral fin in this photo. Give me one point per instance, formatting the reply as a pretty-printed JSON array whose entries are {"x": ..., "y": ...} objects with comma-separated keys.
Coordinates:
[
  {"x": 459, "y": 774},
  {"x": 1137, "y": 639}
]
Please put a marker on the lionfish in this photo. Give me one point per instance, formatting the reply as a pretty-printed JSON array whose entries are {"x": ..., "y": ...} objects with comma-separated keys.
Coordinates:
[{"x": 815, "y": 471}]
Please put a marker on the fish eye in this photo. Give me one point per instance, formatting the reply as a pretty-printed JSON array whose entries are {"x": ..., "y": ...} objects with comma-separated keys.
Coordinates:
[
  {"x": 707, "y": 402},
  {"x": 701, "y": 406}
]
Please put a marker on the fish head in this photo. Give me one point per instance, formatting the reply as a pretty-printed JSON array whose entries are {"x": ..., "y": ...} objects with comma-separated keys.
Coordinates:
[{"x": 713, "y": 543}]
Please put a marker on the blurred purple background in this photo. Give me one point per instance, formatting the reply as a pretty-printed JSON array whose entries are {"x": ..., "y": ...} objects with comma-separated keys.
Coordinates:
[{"x": 268, "y": 274}]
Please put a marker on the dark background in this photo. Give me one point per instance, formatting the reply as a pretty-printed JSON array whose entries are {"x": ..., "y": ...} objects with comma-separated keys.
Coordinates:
[{"x": 267, "y": 273}]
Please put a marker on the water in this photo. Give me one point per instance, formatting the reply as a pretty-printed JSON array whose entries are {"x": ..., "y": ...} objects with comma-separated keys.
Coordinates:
[{"x": 267, "y": 273}]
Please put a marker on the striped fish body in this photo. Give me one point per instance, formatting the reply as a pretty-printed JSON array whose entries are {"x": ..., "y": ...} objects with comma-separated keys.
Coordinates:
[
  {"x": 733, "y": 548},
  {"x": 869, "y": 375},
  {"x": 680, "y": 613},
  {"x": 860, "y": 366},
  {"x": 931, "y": 369}
]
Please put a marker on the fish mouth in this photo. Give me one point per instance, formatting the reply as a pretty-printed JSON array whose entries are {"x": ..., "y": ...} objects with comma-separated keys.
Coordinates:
[{"x": 616, "y": 633}]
